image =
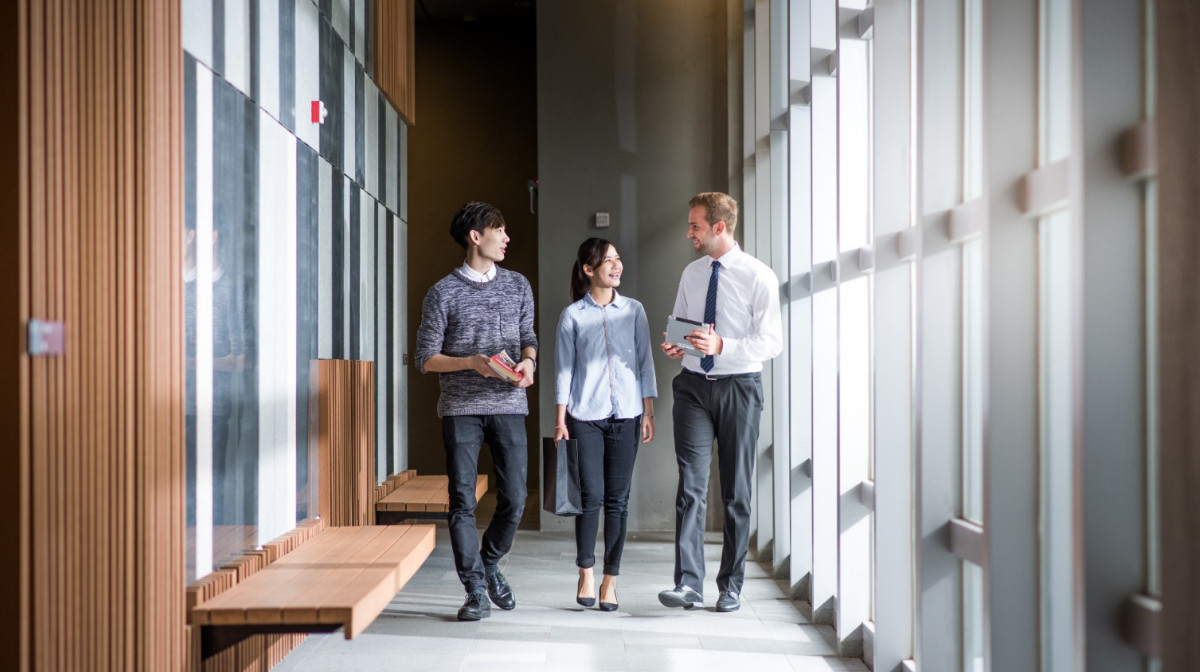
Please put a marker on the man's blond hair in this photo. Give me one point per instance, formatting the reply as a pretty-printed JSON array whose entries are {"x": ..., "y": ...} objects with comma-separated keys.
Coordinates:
[{"x": 718, "y": 207}]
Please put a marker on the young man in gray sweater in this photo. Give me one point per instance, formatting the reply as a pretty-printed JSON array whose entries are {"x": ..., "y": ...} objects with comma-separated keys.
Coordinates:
[{"x": 468, "y": 316}]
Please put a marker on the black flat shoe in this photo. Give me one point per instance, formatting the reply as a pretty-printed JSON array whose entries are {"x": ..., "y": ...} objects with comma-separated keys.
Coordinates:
[{"x": 584, "y": 601}]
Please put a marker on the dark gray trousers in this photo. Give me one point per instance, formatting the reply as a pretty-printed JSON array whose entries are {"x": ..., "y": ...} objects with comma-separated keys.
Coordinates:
[
  {"x": 728, "y": 410},
  {"x": 463, "y": 436}
]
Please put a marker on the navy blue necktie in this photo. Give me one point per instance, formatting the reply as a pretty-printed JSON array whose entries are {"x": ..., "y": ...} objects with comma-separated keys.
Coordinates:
[{"x": 710, "y": 310}]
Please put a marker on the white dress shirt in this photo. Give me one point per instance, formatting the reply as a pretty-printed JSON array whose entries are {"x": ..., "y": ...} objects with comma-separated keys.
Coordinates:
[
  {"x": 748, "y": 318},
  {"x": 475, "y": 276}
]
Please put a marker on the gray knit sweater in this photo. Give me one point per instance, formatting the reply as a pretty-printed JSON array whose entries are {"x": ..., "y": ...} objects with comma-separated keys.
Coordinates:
[{"x": 461, "y": 317}]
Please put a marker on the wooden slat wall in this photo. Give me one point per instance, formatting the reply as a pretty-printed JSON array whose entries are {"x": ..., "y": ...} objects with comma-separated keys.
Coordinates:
[
  {"x": 101, "y": 249},
  {"x": 1178, "y": 89},
  {"x": 346, "y": 442},
  {"x": 395, "y": 50}
]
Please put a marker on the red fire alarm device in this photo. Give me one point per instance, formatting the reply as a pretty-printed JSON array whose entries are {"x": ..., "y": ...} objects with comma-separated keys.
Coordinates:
[{"x": 319, "y": 112}]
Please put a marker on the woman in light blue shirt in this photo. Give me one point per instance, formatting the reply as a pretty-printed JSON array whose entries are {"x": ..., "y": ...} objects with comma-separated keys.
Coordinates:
[{"x": 604, "y": 395}]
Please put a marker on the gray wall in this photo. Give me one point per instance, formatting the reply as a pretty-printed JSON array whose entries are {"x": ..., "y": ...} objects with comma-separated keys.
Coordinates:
[{"x": 632, "y": 120}]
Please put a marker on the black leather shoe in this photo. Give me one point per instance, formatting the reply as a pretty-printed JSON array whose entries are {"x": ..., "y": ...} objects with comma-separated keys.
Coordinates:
[
  {"x": 681, "y": 596},
  {"x": 499, "y": 590},
  {"x": 475, "y": 608},
  {"x": 729, "y": 601}
]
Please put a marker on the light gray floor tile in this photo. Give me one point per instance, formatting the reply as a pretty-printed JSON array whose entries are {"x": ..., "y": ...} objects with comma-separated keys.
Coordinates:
[{"x": 549, "y": 631}]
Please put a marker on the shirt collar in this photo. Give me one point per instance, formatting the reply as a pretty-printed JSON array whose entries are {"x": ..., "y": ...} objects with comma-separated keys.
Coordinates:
[
  {"x": 587, "y": 301},
  {"x": 729, "y": 257},
  {"x": 476, "y": 276}
]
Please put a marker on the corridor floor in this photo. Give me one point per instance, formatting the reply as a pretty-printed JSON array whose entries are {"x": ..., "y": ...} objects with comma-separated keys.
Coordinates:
[{"x": 548, "y": 631}]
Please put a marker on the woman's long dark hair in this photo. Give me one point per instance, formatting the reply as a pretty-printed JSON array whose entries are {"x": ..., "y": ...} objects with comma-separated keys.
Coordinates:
[{"x": 591, "y": 253}]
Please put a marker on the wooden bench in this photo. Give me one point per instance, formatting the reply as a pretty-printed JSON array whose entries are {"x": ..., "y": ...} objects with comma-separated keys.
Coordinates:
[
  {"x": 342, "y": 577},
  {"x": 408, "y": 496}
]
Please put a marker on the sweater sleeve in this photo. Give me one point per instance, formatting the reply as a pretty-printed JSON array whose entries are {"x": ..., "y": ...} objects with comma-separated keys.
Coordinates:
[
  {"x": 432, "y": 332},
  {"x": 528, "y": 337}
]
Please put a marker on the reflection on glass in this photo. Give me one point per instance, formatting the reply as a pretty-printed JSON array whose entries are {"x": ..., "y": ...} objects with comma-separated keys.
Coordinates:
[
  {"x": 972, "y": 386},
  {"x": 1057, "y": 482},
  {"x": 973, "y": 623}
]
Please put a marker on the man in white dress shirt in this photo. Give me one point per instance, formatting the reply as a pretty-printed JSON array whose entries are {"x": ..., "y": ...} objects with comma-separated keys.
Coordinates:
[{"x": 719, "y": 395}]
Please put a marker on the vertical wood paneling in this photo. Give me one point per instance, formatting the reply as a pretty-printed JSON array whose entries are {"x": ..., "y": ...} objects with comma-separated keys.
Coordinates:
[
  {"x": 395, "y": 49},
  {"x": 99, "y": 245},
  {"x": 346, "y": 442},
  {"x": 1178, "y": 89}
]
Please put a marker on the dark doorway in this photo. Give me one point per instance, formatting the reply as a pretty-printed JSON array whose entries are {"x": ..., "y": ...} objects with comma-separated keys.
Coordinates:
[{"x": 475, "y": 139}]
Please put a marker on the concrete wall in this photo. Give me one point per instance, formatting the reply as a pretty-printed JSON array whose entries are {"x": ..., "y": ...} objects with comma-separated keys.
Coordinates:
[
  {"x": 633, "y": 120},
  {"x": 476, "y": 139}
]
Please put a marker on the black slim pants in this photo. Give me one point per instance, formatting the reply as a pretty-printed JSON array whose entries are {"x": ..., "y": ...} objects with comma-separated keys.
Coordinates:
[
  {"x": 607, "y": 449},
  {"x": 463, "y": 436}
]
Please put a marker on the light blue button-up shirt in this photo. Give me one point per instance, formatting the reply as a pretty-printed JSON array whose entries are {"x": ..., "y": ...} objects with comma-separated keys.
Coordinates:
[{"x": 602, "y": 362}]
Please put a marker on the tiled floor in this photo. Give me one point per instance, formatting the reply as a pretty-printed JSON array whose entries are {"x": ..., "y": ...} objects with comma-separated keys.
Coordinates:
[{"x": 548, "y": 631}]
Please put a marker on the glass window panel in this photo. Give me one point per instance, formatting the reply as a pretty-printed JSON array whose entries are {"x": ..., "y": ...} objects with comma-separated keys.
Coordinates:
[
  {"x": 1057, "y": 483},
  {"x": 973, "y": 122},
  {"x": 824, "y": 24},
  {"x": 854, "y": 413},
  {"x": 973, "y": 618},
  {"x": 1150, "y": 214},
  {"x": 973, "y": 381},
  {"x": 824, "y": 174},
  {"x": 854, "y": 186},
  {"x": 1154, "y": 540},
  {"x": 825, "y": 449},
  {"x": 1056, "y": 90}
]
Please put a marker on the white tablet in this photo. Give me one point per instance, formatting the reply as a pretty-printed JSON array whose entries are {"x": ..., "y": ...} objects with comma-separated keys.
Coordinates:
[{"x": 677, "y": 330}]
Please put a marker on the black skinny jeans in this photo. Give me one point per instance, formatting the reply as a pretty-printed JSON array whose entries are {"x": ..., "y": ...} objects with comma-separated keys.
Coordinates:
[{"x": 607, "y": 449}]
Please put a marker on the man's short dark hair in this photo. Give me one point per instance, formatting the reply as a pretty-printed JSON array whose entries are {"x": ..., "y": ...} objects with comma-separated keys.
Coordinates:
[{"x": 474, "y": 216}]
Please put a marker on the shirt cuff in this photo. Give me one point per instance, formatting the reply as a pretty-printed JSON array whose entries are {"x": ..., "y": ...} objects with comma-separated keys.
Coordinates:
[{"x": 729, "y": 346}]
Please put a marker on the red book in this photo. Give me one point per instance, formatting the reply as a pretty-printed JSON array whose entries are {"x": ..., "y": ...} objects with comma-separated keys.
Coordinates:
[{"x": 504, "y": 367}]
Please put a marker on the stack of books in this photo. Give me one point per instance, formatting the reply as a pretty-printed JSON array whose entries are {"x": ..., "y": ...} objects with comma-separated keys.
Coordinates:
[{"x": 504, "y": 367}]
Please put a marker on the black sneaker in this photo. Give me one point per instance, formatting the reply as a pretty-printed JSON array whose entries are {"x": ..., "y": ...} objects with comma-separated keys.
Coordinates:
[
  {"x": 681, "y": 596},
  {"x": 729, "y": 601},
  {"x": 499, "y": 590},
  {"x": 474, "y": 608}
]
